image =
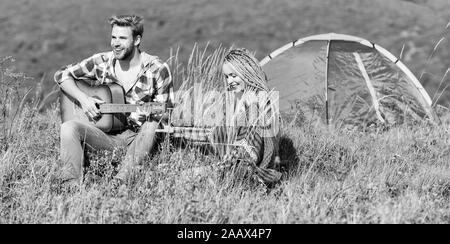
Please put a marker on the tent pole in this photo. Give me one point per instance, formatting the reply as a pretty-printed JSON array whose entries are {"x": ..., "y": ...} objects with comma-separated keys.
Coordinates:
[{"x": 326, "y": 82}]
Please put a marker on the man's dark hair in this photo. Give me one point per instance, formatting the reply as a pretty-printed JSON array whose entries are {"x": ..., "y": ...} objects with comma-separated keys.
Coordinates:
[{"x": 133, "y": 21}]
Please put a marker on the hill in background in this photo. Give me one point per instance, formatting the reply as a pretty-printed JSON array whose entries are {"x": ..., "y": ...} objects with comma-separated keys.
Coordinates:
[{"x": 44, "y": 35}]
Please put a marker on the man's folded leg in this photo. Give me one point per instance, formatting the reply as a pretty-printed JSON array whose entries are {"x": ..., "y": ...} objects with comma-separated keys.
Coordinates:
[
  {"x": 140, "y": 147},
  {"x": 76, "y": 137}
]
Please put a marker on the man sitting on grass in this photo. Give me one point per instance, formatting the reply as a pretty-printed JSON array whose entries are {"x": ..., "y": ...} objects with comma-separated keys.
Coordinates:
[{"x": 145, "y": 78}]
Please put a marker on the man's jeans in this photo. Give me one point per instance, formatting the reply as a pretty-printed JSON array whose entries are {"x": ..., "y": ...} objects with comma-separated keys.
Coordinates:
[{"x": 78, "y": 136}]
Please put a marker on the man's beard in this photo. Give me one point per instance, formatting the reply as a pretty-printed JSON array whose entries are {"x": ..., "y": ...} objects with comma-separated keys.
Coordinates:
[{"x": 127, "y": 54}]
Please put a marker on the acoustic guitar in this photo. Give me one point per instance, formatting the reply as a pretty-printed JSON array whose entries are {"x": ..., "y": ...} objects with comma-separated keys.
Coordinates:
[{"x": 113, "y": 117}]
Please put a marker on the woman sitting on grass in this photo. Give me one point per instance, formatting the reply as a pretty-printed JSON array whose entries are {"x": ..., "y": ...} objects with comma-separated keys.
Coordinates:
[{"x": 248, "y": 138}]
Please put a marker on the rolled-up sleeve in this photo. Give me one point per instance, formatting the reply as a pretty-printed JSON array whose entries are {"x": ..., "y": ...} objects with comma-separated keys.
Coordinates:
[{"x": 84, "y": 70}]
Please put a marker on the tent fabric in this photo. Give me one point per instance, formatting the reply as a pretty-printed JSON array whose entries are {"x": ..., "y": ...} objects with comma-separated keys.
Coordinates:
[{"x": 345, "y": 80}]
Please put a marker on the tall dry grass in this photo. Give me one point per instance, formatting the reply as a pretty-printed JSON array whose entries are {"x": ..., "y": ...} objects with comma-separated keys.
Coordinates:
[{"x": 399, "y": 175}]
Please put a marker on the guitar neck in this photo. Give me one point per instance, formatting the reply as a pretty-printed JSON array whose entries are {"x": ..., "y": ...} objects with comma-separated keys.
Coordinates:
[{"x": 110, "y": 108}]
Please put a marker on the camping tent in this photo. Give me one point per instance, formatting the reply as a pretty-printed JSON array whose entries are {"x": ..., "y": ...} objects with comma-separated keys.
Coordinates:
[{"x": 345, "y": 80}]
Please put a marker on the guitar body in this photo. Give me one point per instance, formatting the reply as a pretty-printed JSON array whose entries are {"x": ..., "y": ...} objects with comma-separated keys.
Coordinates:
[{"x": 111, "y": 93}]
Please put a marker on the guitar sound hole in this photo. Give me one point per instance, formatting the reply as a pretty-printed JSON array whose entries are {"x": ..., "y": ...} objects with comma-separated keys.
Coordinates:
[{"x": 96, "y": 104}]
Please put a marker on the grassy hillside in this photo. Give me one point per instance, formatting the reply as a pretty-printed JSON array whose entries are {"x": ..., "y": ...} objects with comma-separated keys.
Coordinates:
[
  {"x": 44, "y": 35},
  {"x": 398, "y": 176}
]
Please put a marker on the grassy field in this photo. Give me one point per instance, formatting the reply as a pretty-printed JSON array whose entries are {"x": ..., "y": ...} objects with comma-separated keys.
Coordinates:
[{"x": 400, "y": 175}]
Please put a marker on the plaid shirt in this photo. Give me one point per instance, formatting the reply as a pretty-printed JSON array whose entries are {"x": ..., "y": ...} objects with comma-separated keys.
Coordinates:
[{"x": 153, "y": 83}]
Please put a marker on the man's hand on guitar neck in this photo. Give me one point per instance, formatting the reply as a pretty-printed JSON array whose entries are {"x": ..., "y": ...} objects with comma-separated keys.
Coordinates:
[
  {"x": 142, "y": 115},
  {"x": 139, "y": 116}
]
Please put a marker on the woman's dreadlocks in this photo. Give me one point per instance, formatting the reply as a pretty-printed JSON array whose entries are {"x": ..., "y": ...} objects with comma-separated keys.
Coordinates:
[{"x": 247, "y": 68}]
